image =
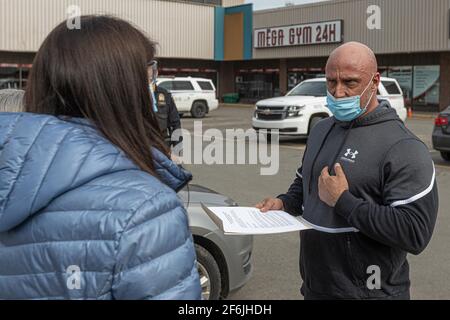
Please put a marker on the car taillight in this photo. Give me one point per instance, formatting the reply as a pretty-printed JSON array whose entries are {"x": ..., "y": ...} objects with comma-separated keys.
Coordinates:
[{"x": 441, "y": 121}]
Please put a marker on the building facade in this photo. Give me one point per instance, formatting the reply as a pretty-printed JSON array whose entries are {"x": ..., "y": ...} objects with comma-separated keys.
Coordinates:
[
  {"x": 184, "y": 31},
  {"x": 258, "y": 54},
  {"x": 411, "y": 39}
]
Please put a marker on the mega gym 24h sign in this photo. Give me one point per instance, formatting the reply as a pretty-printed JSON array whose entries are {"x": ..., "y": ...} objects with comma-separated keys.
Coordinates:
[{"x": 298, "y": 35}]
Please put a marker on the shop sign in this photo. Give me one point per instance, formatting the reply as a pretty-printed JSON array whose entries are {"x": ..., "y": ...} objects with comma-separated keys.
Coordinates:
[{"x": 299, "y": 35}]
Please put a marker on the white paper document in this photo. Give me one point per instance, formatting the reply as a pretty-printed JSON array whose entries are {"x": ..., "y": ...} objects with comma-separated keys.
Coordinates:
[{"x": 248, "y": 220}]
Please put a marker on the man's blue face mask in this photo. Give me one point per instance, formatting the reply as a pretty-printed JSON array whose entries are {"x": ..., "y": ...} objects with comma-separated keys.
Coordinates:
[{"x": 349, "y": 108}]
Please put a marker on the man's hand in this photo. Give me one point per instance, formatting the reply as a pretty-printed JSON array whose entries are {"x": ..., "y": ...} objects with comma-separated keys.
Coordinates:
[
  {"x": 332, "y": 187},
  {"x": 270, "y": 204}
]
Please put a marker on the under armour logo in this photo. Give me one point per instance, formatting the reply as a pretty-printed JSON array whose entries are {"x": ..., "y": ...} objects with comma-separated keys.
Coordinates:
[{"x": 350, "y": 153}]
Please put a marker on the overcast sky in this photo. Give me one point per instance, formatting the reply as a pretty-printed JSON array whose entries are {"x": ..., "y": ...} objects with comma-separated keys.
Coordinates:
[{"x": 266, "y": 4}]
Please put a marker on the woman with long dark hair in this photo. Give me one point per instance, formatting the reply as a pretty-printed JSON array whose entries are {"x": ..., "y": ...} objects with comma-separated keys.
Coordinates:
[{"x": 88, "y": 208}]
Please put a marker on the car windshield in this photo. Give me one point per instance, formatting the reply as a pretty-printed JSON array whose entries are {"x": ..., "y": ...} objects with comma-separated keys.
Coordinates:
[
  {"x": 391, "y": 87},
  {"x": 313, "y": 88}
]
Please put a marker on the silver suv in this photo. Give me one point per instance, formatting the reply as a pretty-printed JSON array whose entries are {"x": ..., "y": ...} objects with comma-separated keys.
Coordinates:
[{"x": 224, "y": 261}]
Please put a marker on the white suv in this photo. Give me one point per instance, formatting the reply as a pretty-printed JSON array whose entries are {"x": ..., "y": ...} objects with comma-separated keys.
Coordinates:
[
  {"x": 305, "y": 105},
  {"x": 194, "y": 95}
]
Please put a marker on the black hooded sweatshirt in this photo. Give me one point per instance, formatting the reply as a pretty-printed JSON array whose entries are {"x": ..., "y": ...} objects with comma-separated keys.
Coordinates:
[{"x": 389, "y": 210}]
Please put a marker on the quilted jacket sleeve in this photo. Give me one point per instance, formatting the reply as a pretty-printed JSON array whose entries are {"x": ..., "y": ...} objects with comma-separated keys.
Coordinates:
[{"x": 155, "y": 253}]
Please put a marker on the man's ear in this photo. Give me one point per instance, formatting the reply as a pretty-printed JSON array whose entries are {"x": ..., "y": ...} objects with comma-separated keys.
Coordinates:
[{"x": 377, "y": 79}]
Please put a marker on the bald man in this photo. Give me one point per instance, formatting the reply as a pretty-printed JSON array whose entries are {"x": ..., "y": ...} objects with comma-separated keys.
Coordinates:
[{"x": 367, "y": 187}]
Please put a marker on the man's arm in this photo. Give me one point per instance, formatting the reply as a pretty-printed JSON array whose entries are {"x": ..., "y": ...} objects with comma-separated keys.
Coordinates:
[
  {"x": 293, "y": 199},
  {"x": 410, "y": 200},
  {"x": 174, "y": 117}
]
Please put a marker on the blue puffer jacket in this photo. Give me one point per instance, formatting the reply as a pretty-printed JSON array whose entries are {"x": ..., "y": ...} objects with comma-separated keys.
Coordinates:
[{"x": 79, "y": 220}]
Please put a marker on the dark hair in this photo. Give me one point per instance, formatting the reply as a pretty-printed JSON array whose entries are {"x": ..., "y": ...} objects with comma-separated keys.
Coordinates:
[{"x": 99, "y": 72}]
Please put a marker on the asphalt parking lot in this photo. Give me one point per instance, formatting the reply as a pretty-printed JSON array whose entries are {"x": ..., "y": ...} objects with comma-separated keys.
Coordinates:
[{"x": 275, "y": 257}]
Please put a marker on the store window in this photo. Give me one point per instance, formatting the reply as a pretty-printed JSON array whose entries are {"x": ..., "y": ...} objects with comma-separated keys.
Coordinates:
[
  {"x": 426, "y": 87},
  {"x": 420, "y": 85},
  {"x": 383, "y": 71},
  {"x": 13, "y": 76},
  {"x": 404, "y": 77},
  {"x": 257, "y": 84}
]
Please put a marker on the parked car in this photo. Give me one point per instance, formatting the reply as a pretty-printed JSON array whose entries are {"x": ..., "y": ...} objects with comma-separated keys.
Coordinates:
[
  {"x": 224, "y": 261},
  {"x": 296, "y": 113},
  {"x": 441, "y": 134},
  {"x": 194, "y": 95}
]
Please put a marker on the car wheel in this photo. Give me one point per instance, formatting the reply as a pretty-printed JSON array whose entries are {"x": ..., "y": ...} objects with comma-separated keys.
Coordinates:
[
  {"x": 313, "y": 123},
  {"x": 198, "y": 109},
  {"x": 445, "y": 155},
  {"x": 208, "y": 270}
]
